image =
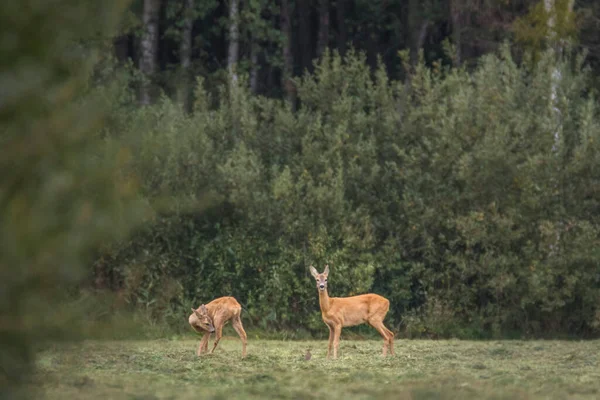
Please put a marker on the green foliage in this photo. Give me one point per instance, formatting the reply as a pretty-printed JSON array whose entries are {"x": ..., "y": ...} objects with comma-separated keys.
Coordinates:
[
  {"x": 541, "y": 27},
  {"x": 443, "y": 194}
]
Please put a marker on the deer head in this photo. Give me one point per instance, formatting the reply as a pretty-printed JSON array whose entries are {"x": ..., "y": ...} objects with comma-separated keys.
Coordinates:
[
  {"x": 320, "y": 278},
  {"x": 202, "y": 319}
]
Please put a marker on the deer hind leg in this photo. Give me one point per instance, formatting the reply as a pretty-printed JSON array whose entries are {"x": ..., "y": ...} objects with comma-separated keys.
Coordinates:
[
  {"x": 236, "y": 322},
  {"x": 390, "y": 340},
  {"x": 385, "y": 333}
]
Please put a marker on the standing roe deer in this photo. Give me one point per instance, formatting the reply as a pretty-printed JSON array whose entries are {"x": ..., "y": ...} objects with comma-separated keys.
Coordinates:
[
  {"x": 339, "y": 312},
  {"x": 212, "y": 316}
]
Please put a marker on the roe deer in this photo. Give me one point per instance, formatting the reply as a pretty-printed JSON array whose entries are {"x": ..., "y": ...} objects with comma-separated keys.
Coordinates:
[
  {"x": 338, "y": 312},
  {"x": 211, "y": 317}
]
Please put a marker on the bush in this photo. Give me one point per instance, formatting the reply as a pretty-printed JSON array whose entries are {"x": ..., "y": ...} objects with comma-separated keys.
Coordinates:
[{"x": 445, "y": 193}]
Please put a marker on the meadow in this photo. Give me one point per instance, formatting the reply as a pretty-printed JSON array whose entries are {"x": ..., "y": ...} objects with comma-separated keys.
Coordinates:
[{"x": 421, "y": 369}]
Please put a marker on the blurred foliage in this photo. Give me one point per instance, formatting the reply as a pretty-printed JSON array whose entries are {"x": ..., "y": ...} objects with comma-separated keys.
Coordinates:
[
  {"x": 441, "y": 193},
  {"x": 61, "y": 193}
]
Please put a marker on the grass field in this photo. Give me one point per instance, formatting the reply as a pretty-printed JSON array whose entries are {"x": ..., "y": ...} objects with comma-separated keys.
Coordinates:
[{"x": 421, "y": 369}]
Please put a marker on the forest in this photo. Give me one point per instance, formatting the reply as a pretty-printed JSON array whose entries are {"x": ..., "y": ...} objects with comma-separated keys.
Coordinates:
[{"x": 158, "y": 154}]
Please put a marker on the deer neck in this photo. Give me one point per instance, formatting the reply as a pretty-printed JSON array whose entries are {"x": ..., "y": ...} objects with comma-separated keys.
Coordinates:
[{"x": 324, "y": 301}]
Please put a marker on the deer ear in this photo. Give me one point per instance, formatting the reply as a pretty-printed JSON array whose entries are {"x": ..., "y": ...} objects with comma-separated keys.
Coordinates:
[
  {"x": 326, "y": 272},
  {"x": 313, "y": 272}
]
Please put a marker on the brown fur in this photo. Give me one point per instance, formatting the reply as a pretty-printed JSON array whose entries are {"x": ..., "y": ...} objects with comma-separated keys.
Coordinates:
[
  {"x": 338, "y": 312},
  {"x": 212, "y": 316}
]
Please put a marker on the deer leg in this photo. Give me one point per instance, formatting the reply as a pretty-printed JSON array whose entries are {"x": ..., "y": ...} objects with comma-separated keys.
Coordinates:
[
  {"x": 202, "y": 343},
  {"x": 205, "y": 346},
  {"x": 219, "y": 331},
  {"x": 239, "y": 328},
  {"x": 330, "y": 343},
  {"x": 383, "y": 331},
  {"x": 337, "y": 331},
  {"x": 391, "y": 340}
]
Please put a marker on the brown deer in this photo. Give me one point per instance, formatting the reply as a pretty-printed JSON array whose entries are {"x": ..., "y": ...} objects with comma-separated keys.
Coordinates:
[
  {"x": 211, "y": 317},
  {"x": 339, "y": 312}
]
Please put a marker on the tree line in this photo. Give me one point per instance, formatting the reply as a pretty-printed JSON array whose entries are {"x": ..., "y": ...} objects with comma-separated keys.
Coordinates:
[
  {"x": 460, "y": 184},
  {"x": 272, "y": 41}
]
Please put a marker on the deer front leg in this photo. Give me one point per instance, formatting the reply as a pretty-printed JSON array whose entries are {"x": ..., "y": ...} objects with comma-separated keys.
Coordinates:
[
  {"x": 205, "y": 346},
  {"x": 330, "y": 343},
  {"x": 384, "y": 333},
  {"x": 337, "y": 331},
  {"x": 203, "y": 343},
  {"x": 219, "y": 333}
]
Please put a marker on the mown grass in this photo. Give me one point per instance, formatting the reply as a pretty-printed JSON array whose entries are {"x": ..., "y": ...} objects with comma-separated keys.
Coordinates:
[{"x": 421, "y": 369}]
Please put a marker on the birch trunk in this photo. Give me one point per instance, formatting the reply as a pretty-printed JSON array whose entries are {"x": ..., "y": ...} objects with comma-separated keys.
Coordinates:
[
  {"x": 232, "y": 58},
  {"x": 149, "y": 48},
  {"x": 556, "y": 46}
]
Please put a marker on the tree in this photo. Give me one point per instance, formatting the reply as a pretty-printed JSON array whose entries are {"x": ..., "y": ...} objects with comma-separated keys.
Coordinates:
[
  {"x": 323, "y": 41},
  {"x": 149, "y": 48},
  {"x": 418, "y": 24},
  {"x": 342, "y": 36},
  {"x": 288, "y": 60},
  {"x": 61, "y": 195},
  {"x": 304, "y": 34},
  {"x": 234, "y": 45},
  {"x": 186, "y": 53}
]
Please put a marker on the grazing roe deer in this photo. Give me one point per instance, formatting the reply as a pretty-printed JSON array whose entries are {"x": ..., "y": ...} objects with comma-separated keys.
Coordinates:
[
  {"x": 338, "y": 312},
  {"x": 211, "y": 317}
]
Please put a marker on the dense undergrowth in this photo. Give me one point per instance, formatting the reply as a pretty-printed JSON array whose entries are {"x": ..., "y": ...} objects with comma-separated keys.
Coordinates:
[{"x": 468, "y": 198}]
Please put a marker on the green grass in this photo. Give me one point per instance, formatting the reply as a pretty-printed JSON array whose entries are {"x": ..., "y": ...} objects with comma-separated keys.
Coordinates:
[{"x": 421, "y": 369}]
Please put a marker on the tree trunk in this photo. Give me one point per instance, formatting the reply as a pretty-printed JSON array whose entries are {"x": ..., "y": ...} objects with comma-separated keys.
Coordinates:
[
  {"x": 557, "y": 46},
  {"x": 288, "y": 62},
  {"x": 255, "y": 67},
  {"x": 304, "y": 34},
  {"x": 342, "y": 38},
  {"x": 234, "y": 44},
  {"x": 417, "y": 26},
  {"x": 323, "y": 27},
  {"x": 185, "y": 51},
  {"x": 149, "y": 48},
  {"x": 455, "y": 18}
]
